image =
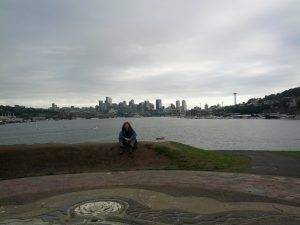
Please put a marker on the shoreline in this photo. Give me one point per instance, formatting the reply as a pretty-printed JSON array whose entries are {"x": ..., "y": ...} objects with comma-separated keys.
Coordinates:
[
  {"x": 44, "y": 144},
  {"x": 239, "y": 117}
]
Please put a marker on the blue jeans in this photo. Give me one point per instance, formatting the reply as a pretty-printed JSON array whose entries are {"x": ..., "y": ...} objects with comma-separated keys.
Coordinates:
[{"x": 123, "y": 143}]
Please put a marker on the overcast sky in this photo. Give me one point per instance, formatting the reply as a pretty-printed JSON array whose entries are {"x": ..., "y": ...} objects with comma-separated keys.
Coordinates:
[{"x": 77, "y": 52}]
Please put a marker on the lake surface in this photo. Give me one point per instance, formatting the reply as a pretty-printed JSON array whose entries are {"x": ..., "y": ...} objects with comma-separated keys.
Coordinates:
[{"x": 253, "y": 134}]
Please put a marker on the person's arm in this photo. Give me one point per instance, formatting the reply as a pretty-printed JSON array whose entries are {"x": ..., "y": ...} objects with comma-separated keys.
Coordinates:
[
  {"x": 121, "y": 137},
  {"x": 133, "y": 136}
]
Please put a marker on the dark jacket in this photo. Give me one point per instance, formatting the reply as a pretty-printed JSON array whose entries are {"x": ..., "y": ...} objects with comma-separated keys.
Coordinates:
[{"x": 127, "y": 134}]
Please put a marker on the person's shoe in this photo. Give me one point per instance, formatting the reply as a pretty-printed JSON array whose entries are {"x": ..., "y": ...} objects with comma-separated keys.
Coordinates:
[
  {"x": 121, "y": 152},
  {"x": 131, "y": 150}
]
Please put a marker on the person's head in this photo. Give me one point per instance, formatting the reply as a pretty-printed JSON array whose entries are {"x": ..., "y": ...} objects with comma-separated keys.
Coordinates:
[{"x": 126, "y": 126}]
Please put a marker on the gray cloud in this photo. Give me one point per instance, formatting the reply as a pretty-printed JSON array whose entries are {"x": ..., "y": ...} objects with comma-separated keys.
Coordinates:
[{"x": 75, "y": 52}]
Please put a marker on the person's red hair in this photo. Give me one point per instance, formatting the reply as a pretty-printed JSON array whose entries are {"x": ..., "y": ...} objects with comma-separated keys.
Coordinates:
[{"x": 123, "y": 126}]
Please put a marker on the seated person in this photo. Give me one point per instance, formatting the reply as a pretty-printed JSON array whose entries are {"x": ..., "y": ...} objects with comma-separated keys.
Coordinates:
[{"x": 127, "y": 137}]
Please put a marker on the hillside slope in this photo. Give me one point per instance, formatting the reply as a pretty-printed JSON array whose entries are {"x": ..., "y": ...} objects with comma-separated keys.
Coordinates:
[{"x": 48, "y": 159}]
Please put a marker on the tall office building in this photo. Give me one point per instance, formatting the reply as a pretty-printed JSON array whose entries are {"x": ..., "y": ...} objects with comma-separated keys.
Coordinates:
[
  {"x": 131, "y": 103},
  {"x": 177, "y": 104},
  {"x": 101, "y": 106},
  {"x": 158, "y": 104},
  {"x": 184, "y": 106},
  {"x": 148, "y": 106},
  {"x": 108, "y": 101},
  {"x": 54, "y": 107}
]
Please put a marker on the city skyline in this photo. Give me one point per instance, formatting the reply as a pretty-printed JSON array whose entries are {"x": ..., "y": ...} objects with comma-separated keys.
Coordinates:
[
  {"x": 157, "y": 104},
  {"x": 71, "y": 52},
  {"x": 277, "y": 105},
  {"x": 235, "y": 99},
  {"x": 166, "y": 102}
]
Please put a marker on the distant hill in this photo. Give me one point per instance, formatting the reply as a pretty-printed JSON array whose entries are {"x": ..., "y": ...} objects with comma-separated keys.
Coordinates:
[
  {"x": 287, "y": 102},
  {"x": 293, "y": 92}
]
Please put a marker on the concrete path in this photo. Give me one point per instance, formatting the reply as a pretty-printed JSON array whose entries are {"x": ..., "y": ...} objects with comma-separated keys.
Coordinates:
[
  {"x": 284, "y": 188},
  {"x": 270, "y": 163},
  {"x": 150, "y": 198}
]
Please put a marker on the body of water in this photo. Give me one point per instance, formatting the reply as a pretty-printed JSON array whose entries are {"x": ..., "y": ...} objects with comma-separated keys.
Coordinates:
[{"x": 204, "y": 133}]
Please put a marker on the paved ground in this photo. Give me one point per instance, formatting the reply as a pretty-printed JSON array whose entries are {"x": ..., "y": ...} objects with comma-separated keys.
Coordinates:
[
  {"x": 151, "y": 197},
  {"x": 270, "y": 163}
]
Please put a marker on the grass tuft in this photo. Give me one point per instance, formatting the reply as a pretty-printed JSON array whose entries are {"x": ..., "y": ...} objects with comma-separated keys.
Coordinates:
[{"x": 186, "y": 157}]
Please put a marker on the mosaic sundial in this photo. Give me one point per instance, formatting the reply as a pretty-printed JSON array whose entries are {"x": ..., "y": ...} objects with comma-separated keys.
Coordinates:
[
  {"x": 132, "y": 207},
  {"x": 99, "y": 208}
]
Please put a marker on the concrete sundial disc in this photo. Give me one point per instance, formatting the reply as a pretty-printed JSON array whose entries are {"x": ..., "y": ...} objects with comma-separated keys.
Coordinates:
[{"x": 99, "y": 208}]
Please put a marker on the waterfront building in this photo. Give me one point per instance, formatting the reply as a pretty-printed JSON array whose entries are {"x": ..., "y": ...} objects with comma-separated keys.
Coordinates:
[
  {"x": 108, "y": 101},
  {"x": 54, "y": 107},
  {"x": 101, "y": 106},
  {"x": 177, "y": 104},
  {"x": 131, "y": 103},
  {"x": 108, "y": 104},
  {"x": 184, "y": 105},
  {"x": 148, "y": 106},
  {"x": 158, "y": 104}
]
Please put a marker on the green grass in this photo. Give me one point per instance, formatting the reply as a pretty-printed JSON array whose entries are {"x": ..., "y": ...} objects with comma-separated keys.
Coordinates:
[
  {"x": 291, "y": 153},
  {"x": 49, "y": 159},
  {"x": 295, "y": 153},
  {"x": 185, "y": 157}
]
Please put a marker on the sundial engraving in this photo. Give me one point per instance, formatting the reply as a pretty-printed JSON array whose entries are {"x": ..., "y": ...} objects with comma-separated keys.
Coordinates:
[{"x": 99, "y": 208}]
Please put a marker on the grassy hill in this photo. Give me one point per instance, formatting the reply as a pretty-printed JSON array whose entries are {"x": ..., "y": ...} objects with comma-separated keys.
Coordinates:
[{"x": 48, "y": 159}]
